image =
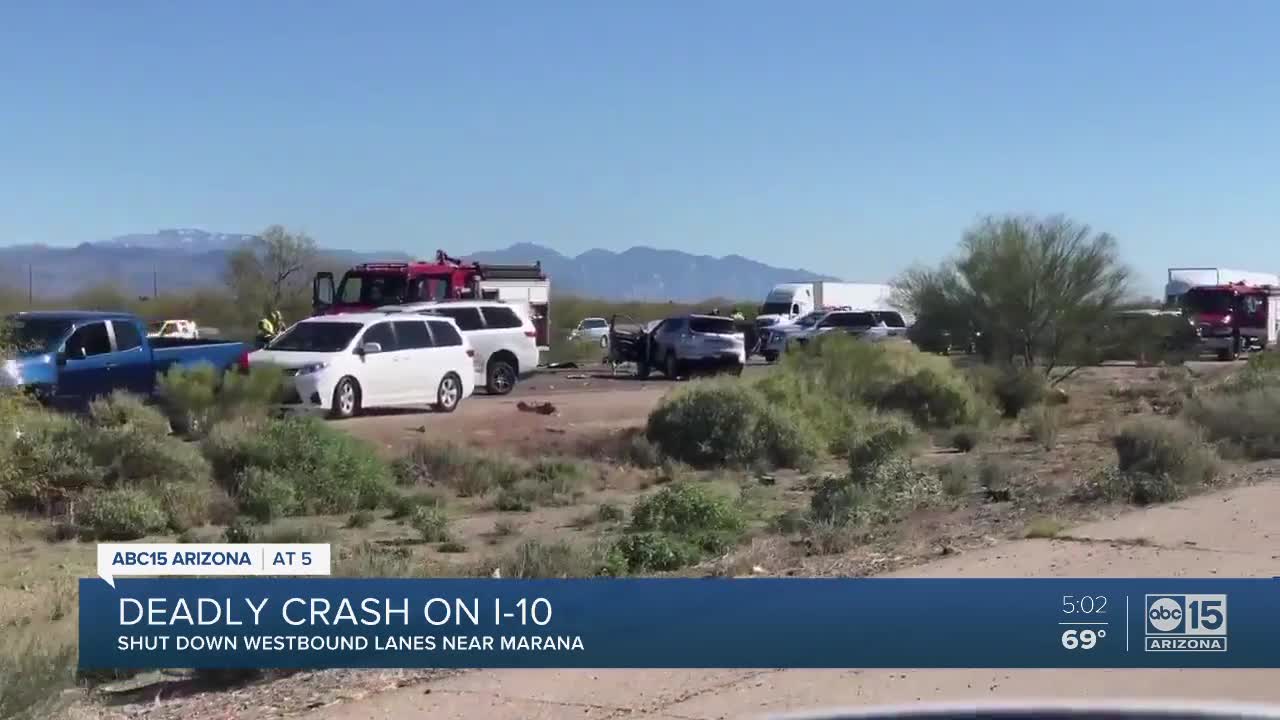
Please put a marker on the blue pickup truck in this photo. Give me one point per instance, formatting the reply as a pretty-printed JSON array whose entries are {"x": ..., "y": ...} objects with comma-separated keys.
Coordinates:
[{"x": 67, "y": 358}]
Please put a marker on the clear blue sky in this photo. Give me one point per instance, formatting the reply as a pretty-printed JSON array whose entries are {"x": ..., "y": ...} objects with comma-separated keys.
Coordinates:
[{"x": 850, "y": 136}]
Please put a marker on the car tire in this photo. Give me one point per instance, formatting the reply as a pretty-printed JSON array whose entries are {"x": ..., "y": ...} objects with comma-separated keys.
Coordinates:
[
  {"x": 346, "y": 399},
  {"x": 671, "y": 367},
  {"x": 449, "y": 394},
  {"x": 500, "y": 379},
  {"x": 642, "y": 369},
  {"x": 770, "y": 356}
]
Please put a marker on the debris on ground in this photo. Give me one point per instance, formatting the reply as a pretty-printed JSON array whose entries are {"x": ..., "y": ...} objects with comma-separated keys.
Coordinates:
[
  {"x": 542, "y": 408},
  {"x": 562, "y": 366},
  {"x": 577, "y": 376}
]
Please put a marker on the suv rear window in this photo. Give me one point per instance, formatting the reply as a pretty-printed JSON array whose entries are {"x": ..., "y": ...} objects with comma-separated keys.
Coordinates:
[
  {"x": 444, "y": 333},
  {"x": 497, "y": 316},
  {"x": 468, "y": 318},
  {"x": 720, "y": 326},
  {"x": 892, "y": 319}
]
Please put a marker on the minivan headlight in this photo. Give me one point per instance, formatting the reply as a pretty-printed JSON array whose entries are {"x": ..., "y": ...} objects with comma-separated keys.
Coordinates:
[{"x": 312, "y": 368}]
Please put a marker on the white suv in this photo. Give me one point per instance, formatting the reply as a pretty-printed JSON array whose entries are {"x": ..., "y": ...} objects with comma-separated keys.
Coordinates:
[
  {"x": 503, "y": 335},
  {"x": 343, "y": 363}
]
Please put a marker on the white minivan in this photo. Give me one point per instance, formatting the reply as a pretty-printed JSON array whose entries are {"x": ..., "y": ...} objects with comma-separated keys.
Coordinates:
[
  {"x": 344, "y": 363},
  {"x": 502, "y": 334}
]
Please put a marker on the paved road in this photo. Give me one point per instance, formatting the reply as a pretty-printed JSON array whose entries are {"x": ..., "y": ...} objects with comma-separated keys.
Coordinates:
[{"x": 1230, "y": 534}]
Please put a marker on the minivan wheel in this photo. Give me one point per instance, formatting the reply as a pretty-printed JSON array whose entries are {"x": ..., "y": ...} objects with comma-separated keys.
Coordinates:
[
  {"x": 502, "y": 377},
  {"x": 346, "y": 399},
  {"x": 449, "y": 394}
]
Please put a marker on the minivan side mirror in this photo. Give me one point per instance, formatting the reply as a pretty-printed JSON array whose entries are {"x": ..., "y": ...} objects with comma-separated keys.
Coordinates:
[{"x": 371, "y": 348}]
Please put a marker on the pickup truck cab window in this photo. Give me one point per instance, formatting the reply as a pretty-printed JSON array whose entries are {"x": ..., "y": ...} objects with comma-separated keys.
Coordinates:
[
  {"x": 89, "y": 340},
  {"x": 127, "y": 335}
]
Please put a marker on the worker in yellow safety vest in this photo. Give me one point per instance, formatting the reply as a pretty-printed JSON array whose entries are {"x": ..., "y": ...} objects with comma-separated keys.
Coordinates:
[{"x": 266, "y": 330}]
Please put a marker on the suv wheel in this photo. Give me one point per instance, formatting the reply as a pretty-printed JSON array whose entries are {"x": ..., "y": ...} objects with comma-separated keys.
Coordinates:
[
  {"x": 501, "y": 377},
  {"x": 672, "y": 367}
]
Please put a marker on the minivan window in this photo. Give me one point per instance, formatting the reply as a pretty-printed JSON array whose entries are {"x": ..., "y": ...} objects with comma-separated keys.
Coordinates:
[
  {"x": 467, "y": 318},
  {"x": 716, "y": 325},
  {"x": 445, "y": 334},
  {"x": 412, "y": 334},
  {"x": 89, "y": 340},
  {"x": 380, "y": 333},
  {"x": 593, "y": 323},
  {"x": 127, "y": 335},
  {"x": 499, "y": 317},
  {"x": 316, "y": 337}
]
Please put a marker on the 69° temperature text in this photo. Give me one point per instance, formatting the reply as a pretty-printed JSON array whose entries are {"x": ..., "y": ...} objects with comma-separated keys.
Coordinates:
[{"x": 1082, "y": 639}]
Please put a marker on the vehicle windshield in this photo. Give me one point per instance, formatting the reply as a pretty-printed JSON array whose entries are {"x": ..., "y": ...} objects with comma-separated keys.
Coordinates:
[
  {"x": 38, "y": 335},
  {"x": 316, "y": 337},
  {"x": 712, "y": 325},
  {"x": 811, "y": 319},
  {"x": 155, "y": 327},
  {"x": 775, "y": 308},
  {"x": 1216, "y": 302},
  {"x": 374, "y": 289}
]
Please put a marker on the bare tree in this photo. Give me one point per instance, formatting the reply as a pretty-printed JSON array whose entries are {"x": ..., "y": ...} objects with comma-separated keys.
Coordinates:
[
  {"x": 1038, "y": 289},
  {"x": 273, "y": 270}
]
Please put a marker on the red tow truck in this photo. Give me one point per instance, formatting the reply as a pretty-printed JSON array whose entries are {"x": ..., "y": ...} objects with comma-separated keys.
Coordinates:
[
  {"x": 372, "y": 285},
  {"x": 1234, "y": 318}
]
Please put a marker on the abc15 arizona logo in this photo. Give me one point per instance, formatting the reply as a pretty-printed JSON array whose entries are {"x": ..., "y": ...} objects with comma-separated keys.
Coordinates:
[{"x": 1186, "y": 623}]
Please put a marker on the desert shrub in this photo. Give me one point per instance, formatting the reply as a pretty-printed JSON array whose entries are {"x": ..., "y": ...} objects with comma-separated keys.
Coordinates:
[
  {"x": 189, "y": 393},
  {"x": 535, "y": 559},
  {"x": 608, "y": 512},
  {"x": 369, "y": 559},
  {"x": 35, "y": 672},
  {"x": 403, "y": 505},
  {"x": 1045, "y": 527},
  {"x": 967, "y": 438},
  {"x": 1043, "y": 424},
  {"x": 1248, "y": 420},
  {"x": 48, "y": 460},
  {"x": 305, "y": 532},
  {"x": 717, "y": 423},
  {"x": 958, "y": 479},
  {"x": 264, "y": 495},
  {"x": 677, "y": 526},
  {"x": 830, "y": 538},
  {"x": 190, "y": 504},
  {"x": 653, "y": 552},
  {"x": 196, "y": 397},
  {"x": 452, "y": 546},
  {"x": 995, "y": 476},
  {"x": 1015, "y": 389},
  {"x": 879, "y": 438},
  {"x": 872, "y": 494},
  {"x": 360, "y": 519},
  {"x": 639, "y": 451},
  {"x": 470, "y": 473},
  {"x": 240, "y": 530},
  {"x": 127, "y": 454},
  {"x": 549, "y": 482},
  {"x": 431, "y": 522},
  {"x": 1159, "y": 460},
  {"x": 888, "y": 376},
  {"x": 804, "y": 394},
  {"x": 331, "y": 471},
  {"x": 122, "y": 410},
  {"x": 120, "y": 514}
]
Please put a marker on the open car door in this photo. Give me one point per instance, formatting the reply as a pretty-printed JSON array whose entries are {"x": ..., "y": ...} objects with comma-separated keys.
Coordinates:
[{"x": 629, "y": 343}]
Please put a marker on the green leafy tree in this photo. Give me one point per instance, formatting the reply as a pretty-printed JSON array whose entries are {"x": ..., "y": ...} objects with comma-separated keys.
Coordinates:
[{"x": 1039, "y": 290}]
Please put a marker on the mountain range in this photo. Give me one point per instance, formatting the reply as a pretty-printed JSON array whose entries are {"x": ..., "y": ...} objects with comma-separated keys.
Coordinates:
[{"x": 180, "y": 259}]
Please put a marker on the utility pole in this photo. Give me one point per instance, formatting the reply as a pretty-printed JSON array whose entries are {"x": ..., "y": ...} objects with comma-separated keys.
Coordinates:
[
  {"x": 155, "y": 283},
  {"x": 30, "y": 285}
]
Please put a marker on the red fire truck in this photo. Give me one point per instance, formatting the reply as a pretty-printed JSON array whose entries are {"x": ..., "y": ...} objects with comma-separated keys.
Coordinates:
[
  {"x": 372, "y": 285},
  {"x": 1233, "y": 318}
]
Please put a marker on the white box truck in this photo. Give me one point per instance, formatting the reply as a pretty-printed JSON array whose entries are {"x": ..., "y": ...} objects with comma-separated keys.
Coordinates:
[
  {"x": 788, "y": 302},
  {"x": 1183, "y": 279}
]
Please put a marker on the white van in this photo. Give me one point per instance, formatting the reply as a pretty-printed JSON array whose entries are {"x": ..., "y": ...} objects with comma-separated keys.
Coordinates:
[
  {"x": 345, "y": 363},
  {"x": 502, "y": 334}
]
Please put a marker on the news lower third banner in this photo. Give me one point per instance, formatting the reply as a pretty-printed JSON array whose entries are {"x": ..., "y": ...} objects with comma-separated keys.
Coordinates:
[{"x": 678, "y": 623}]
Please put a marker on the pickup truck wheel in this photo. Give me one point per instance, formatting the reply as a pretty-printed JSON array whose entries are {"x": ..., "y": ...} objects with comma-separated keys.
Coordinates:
[
  {"x": 449, "y": 394},
  {"x": 770, "y": 356},
  {"x": 501, "y": 377},
  {"x": 346, "y": 398}
]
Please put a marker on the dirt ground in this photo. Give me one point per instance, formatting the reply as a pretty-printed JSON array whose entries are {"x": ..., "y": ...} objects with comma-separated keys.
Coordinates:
[{"x": 969, "y": 536}]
